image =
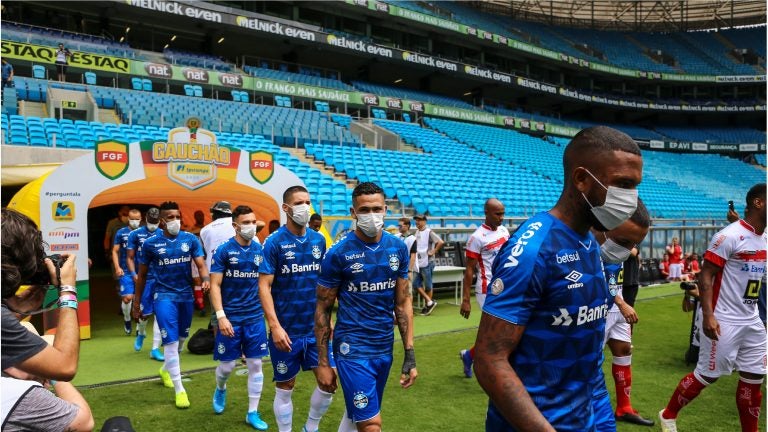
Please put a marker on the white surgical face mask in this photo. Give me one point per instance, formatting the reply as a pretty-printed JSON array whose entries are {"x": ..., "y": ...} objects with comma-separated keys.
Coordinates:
[
  {"x": 300, "y": 214},
  {"x": 619, "y": 205},
  {"x": 612, "y": 252},
  {"x": 370, "y": 223},
  {"x": 247, "y": 231},
  {"x": 134, "y": 223},
  {"x": 152, "y": 227},
  {"x": 173, "y": 227}
]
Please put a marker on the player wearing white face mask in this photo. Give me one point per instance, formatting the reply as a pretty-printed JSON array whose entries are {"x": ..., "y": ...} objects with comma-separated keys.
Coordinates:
[
  {"x": 287, "y": 281},
  {"x": 614, "y": 250},
  {"x": 122, "y": 272}
]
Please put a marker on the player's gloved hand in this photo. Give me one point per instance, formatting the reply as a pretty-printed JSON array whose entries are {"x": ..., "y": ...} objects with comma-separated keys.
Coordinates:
[
  {"x": 281, "y": 339},
  {"x": 409, "y": 372},
  {"x": 326, "y": 379},
  {"x": 466, "y": 308},
  {"x": 710, "y": 326}
]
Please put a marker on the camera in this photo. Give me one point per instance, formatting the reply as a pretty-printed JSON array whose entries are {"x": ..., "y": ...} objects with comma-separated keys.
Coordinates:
[
  {"x": 688, "y": 286},
  {"x": 43, "y": 277}
]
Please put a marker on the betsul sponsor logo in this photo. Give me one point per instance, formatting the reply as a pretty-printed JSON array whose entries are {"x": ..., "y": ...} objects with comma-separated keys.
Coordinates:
[{"x": 63, "y": 211}]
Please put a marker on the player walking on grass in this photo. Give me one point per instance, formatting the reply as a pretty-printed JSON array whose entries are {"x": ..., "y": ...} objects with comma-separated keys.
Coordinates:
[
  {"x": 732, "y": 335},
  {"x": 168, "y": 255},
  {"x": 287, "y": 282},
  {"x": 367, "y": 270},
  {"x": 541, "y": 334},
  {"x": 615, "y": 247},
  {"x": 235, "y": 299},
  {"x": 482, "y": 247},
  {"x": 122, "y": 271},
  {"x": 135, "y": 254}
]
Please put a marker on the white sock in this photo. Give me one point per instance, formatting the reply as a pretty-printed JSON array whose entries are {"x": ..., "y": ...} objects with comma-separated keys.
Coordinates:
[
  {"x": 255, "y": 383},
  {"x": 142, "y": 327},
  {"x": 223, "y": 370},
  {"x": 347, "y": 425},
  {"x": 172, "y": 365},
  {"x": 318, "y": 406},
  {"x": 127, "y": 307},
  {"x": 156, "y": 339},
  {"x": 283, "y": 407}
]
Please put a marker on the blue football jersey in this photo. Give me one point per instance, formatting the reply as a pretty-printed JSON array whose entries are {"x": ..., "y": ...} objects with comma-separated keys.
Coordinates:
[
  {"x": 295, "y": 263},
  {"x": 365, "y": 275},
  {"x": 239, "y": 266},
  {"x": 136, "y": 242},
  {"x": 170, "y": 260},
  {"x": 550, "y": 279},
  {"x": 121, "y": 239}
]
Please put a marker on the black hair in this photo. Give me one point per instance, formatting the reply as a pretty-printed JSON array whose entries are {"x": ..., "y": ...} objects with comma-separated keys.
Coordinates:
[
  {"x": 292, "y": 190},
  {"x": 756, "y": 191},
  {"x": 153, "y": 213},
  {"x": 591, "y": 144},
  {"x": 241, "y": 210},
  {"x": 23, "y": 250},
  {"x": 315, "y": 216},
  {"x": 366, "y": 188},
  {"x": 641, "y": 217},
  {"x": 169, "y": 205}
]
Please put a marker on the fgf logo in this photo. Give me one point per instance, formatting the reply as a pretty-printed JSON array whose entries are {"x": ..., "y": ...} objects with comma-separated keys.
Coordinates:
[
  {"x": 63, "y": 211},
  {"x": 111, "y": 158}
]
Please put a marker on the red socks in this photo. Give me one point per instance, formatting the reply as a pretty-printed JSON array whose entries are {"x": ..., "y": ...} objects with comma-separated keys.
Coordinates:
[
  {"x": 199, "y": 305},
  {"x": 687, "y": 390},
  {"x": 748, "y": 401},
  {"x": 472, "y": 352},
  {"x": 622, "y": 377}
]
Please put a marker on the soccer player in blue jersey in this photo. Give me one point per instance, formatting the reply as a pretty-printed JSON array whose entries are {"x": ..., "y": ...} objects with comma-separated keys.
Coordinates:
[
  {"x": 367, "y": 270},
  {"x": 540, "y": 338},
  {"x": 287, "y": 281},
  {"x": 235, "y": 300},
  {"x": 134, "y": 250},
  {"x": 168, "y": 255},
  {"x": 615, "y": 247},
  {"x": 119, "y": 261}
]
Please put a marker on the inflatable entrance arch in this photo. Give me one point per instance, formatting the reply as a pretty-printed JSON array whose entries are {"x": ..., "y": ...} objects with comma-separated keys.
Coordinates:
[{"x": 190, "y": 167}]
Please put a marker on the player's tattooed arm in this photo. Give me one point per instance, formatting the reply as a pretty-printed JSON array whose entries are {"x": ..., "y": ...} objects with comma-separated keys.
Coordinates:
[
  {"x": 404, "y": 312},
  {"x": 496, "y": 341},
  {"x": 326, "y": 297}
]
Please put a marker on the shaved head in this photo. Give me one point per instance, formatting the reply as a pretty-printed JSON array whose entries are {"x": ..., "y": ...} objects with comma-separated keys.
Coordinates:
[
  {"x": 494, "y": 212},
  {"x": 594, "y": 145}
]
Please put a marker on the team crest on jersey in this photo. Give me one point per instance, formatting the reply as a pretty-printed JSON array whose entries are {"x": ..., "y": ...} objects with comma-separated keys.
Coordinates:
[
  {"x": 612, "y": 280},
  {"x": 360, "y": 400},
  {"x": 163, "y": 331},
  {"x": 497, "y": 287},
  {"x": 185, "y": 247},
  {"x": 344, "y": 348},
  {"x": 316, "y": 252},
  {"x": 394, "y": 262},
  {"x": 257, "y": 260},
  {"x": 282, "y": 368},
  {"x": 221, "y": 348},
  {"x": 612, "y": 289}
]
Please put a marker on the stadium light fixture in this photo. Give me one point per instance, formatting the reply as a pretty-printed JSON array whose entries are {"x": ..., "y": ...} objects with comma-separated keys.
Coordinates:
[
  {"x": 173, "y": 38},
  {"x": 398, "y": 80},
  {"x": 122, "y": 38},
  {"x": 166, "y": 46},
  {"x": 469, "y": 93},
  {"x": 221, "y": 40},
  {"x": 127, "y": 29}
]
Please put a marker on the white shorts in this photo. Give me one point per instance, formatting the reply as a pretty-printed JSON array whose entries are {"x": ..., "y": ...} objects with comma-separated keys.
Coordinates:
[
  {"x": 480, "y": 297},
  {"x": 617, "y": 327},
  {"x": 741, "y": 347},
  {"x": 675, "y": 271}
]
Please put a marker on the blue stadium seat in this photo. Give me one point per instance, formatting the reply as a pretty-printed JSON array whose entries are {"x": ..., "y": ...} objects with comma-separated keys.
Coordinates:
[
  {"x": 146, "y": 84},
  {"x": 39, "y": 72},
  {"x": 136, "y": 83},
  {"x": 90, "y": 78}
]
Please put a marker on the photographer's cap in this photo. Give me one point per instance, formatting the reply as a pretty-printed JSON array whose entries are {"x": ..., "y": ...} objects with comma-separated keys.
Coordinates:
[{"x": 222, "y": 207}]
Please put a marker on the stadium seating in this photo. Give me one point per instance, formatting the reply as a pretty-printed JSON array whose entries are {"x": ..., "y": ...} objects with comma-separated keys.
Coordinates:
[
  {"x": 185, "y": 58},
  {"x": 74, "y": 41},
  {"x": 301, "y": 78},
  {"x": 415, "y": 95}
]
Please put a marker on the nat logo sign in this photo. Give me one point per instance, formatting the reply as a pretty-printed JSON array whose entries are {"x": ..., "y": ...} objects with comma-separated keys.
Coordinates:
[
  {"x": 111, "y": 158},
  {"x": 231, "y": 80},
  {"x": 63, "y": 211},
  {"x": 159, "y": 70},
  {"x": 370, "y": 99},
  {"x": 195, "y": 75},
  {"x": 262, "y": 166}
]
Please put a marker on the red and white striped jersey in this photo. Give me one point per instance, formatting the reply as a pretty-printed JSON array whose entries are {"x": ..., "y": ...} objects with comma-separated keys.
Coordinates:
[
  {"x": 740, "y": 253},
  {"x": 483, "y": 245}
]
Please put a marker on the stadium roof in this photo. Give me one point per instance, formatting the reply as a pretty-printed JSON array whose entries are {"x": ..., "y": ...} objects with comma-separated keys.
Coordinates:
[{"x": 634, "y": 15}]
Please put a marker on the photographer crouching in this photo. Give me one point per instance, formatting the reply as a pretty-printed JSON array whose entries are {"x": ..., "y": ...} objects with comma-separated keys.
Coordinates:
[{"x": 29, "y": 365}]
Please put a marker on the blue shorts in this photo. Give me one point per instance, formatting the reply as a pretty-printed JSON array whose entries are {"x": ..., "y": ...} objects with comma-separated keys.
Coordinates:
[
  {"x": 423, "y": 277},
  {"x": 303, "y": 356},
  {"x": 249, "y": 340},
  {"x": 148, "y": 297},
  {"x": 127, "y": 287},
  {"x": 363, "y": 382},
  {"x": 174, "y": 319},
  {"x": 603, "y": 412}
]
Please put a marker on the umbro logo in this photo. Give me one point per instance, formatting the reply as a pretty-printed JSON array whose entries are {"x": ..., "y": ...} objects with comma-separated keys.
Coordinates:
[
  {"x": 574, "y": 277},
  {"x": 357, "y": 267},
  {"x": 290, "y": 255}
]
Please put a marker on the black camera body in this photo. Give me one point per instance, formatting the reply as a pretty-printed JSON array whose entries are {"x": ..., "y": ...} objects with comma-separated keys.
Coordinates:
[
  {"x": 43, "y": 277},
  {"x": 688, "y": 286}
]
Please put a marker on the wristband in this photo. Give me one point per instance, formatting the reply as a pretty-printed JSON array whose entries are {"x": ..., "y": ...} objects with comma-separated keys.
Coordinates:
[
  {"x": 220, "y": 314},
  {"x": 409, "y": 362},
  {"x": 68, "y": 304},
  {"x": 67, "y": 297},
  {"x": 67, "y": 288},
  {"x": 205, "y": 278}
]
